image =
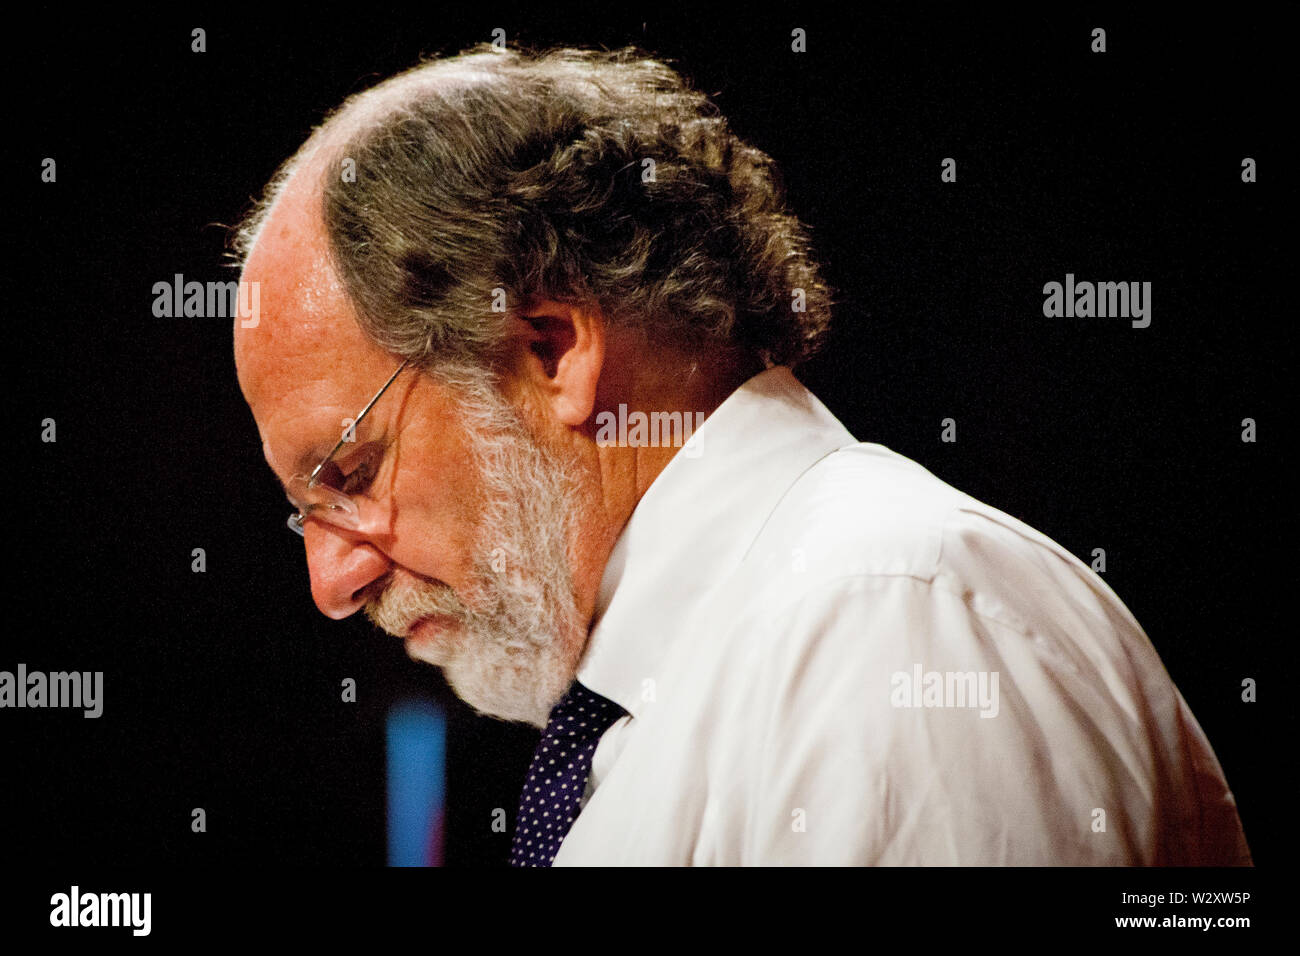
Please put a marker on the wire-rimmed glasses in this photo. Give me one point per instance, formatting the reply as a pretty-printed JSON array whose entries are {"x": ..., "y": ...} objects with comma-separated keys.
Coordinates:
[{"x": 327, "y": 493}]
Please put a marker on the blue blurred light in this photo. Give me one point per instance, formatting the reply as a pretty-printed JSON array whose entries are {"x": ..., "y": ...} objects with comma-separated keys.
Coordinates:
[{"x": 416, "y": 782}]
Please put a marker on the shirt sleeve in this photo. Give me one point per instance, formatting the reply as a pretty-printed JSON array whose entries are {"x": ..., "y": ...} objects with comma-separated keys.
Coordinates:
[{"x": 1006, "y": 710}]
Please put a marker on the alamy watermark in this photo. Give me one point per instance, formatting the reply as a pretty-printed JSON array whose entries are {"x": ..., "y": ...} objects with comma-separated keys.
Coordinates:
[
  {"x": 1084, "y": 300},
  {"x": 208, "y": 300},
  {"x": 76, "y": 689},
  {"x": 923, "y": 688},
  {"x": 76, "y": 908},
  {"x": 649, "y": 430}
]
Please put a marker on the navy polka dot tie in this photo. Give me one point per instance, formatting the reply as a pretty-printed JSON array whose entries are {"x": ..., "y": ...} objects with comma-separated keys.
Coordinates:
[{"x": 558, "y": 774}]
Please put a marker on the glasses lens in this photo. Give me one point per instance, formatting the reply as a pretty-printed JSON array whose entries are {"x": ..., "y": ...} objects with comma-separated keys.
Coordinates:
[
  {"x": 323, "y": 504},
  {"x": 330, "y": 476}
]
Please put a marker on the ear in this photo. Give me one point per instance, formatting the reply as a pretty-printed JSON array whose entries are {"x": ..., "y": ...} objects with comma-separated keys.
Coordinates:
[{"x": 561, "y": 357}]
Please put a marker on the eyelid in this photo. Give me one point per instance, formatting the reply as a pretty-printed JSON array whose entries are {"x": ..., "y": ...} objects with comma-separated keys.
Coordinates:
[
  {"x": 359, "y": 456},
  {"x": 347, "y": 461},
  {"x": 368, "y": 455}
]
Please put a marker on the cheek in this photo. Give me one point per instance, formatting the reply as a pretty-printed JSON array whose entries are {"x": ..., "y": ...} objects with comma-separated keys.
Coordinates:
[{"x": 436, "y": 506}]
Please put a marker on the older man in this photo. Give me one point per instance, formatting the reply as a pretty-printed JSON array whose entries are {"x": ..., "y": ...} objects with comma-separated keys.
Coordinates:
[{"x": 523, "y": 369}]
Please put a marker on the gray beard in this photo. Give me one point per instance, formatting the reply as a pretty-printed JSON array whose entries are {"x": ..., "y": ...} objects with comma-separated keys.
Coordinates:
[{"x": 517, "y": 636}]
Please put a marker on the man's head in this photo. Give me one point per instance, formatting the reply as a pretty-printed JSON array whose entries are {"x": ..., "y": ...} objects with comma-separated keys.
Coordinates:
[{"x": 543, "y": 238}]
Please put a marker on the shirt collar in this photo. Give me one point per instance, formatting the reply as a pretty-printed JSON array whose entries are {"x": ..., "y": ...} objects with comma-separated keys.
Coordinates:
[{"x": 695, "y": 523}]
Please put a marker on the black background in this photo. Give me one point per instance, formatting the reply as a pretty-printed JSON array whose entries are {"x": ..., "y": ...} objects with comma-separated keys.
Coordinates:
[{"x": 222, "y": 688}]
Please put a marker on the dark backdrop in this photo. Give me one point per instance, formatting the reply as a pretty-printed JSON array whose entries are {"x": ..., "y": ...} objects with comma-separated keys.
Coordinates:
[{"x": 222, "y": 688}]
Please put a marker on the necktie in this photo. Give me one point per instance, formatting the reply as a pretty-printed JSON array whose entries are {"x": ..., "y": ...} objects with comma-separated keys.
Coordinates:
[{"x": 557, "y": 776}]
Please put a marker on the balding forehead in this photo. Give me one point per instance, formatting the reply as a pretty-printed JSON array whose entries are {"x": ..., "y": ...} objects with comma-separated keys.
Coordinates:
[
  {"x": 304, "y": 303},
  {"x": 307, "y": 323},
  {"x": 319, "y": 155}
]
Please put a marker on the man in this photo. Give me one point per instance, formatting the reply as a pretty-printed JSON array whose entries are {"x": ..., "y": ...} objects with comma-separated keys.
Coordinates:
[{"x": 523, "y": 367}]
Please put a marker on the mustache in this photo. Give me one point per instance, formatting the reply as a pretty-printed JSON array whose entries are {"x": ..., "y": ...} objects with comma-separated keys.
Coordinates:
[{"x": 399, "y": 605}]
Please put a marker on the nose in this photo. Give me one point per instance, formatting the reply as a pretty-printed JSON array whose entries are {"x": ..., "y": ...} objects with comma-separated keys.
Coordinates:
[{"x": 342, "y": 565}]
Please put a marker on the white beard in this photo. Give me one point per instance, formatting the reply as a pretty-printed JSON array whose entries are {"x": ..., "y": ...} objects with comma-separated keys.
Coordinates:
[{"x": 517, "y": 638}]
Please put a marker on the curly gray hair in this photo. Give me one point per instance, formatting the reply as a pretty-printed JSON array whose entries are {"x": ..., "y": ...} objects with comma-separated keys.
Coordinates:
[{"x": 591, "y": 177}]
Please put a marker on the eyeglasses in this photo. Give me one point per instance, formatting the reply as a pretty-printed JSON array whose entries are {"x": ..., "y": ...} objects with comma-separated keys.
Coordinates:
[{"x": 327, "y": 492}]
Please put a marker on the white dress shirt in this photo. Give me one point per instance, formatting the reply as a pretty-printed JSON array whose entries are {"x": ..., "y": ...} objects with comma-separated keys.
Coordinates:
[{"x": 829, "y": 656}]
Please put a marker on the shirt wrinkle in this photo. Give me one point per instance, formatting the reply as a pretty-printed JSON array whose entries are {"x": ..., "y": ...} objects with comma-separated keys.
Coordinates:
[{"x": 770, "y": 592}]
